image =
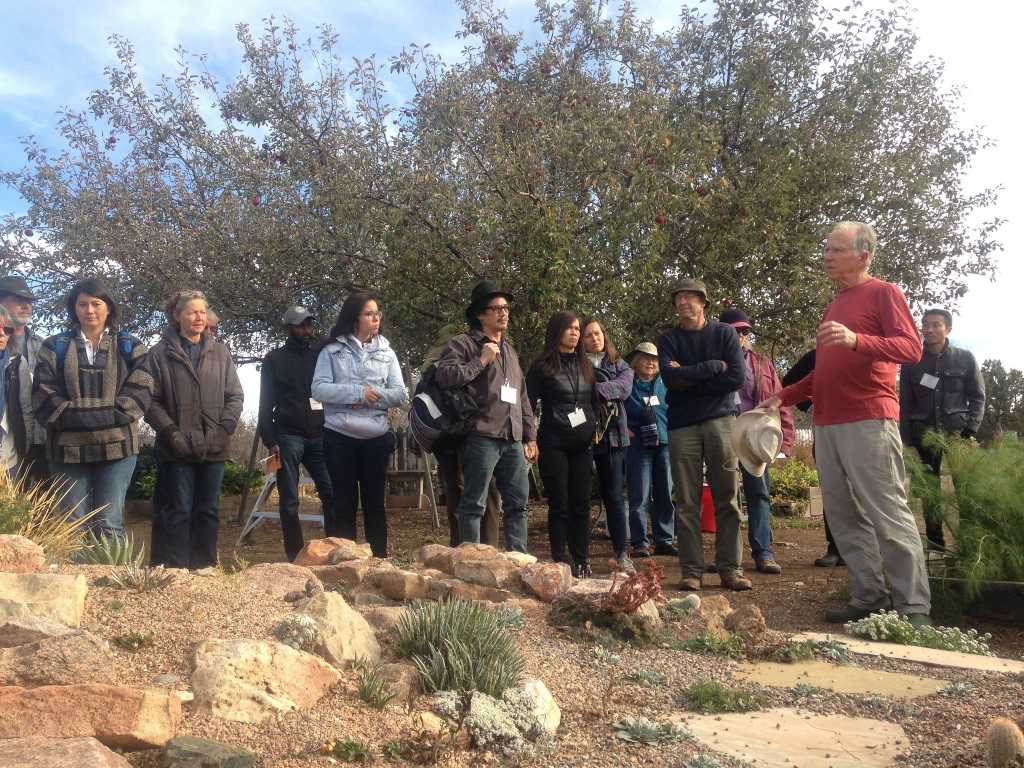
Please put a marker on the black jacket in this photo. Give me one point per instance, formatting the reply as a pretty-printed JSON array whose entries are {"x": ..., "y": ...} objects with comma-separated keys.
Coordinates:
[
  {"x": 957, "y": 402},
  {"x": 559, "y": 395},
  {"x": 697, "y": 390},
  {"x": 284, "y": 393}
]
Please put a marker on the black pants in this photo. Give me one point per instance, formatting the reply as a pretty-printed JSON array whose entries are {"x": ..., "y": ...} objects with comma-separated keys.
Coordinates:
[
  {"x": 186, "y": 514},
  {"x": 565, "y": 468},
  {"x": 611, "y": 476},
  {"x": 309, "y": 452},
  {"x": 359, "y": 470}
]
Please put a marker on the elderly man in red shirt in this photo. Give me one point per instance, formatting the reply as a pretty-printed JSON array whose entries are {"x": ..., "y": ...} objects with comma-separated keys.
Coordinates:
[{"x": 866, "y": 333}]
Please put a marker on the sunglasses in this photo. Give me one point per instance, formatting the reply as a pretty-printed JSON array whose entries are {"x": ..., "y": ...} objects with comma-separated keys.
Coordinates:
[
  {"x": 7, "y": 329},
  {"x": 743, "y": 331}
]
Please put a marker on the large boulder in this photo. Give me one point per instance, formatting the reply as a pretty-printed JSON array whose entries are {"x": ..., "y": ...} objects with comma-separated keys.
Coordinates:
[
  {"x": 435, "y": 556},
  {"x": 547, "y": 581},
  {"x": 344, "y": 634},
  {"x": 497, "y": 572},
  {"x": 123, "y": 718},
  {"x": 400, "y": 585},
  {"x": 21, "y": 626},
  {"x": 318, "y": 551},
  {"x": 191, "y": 752},
  {"x": 250, "y": 681},
  {"x": 20, "y": 555},
  {"x": 55, "y": 596},
  {"x": 279, "y": 579},
  {"x": 41, "y": 752},
  {"x": 349, "y": 550},
  {"x": 76, "y": 657}
]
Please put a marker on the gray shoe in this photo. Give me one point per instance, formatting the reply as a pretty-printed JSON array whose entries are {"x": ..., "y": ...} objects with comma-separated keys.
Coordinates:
[{"x": 623, "y": 563}]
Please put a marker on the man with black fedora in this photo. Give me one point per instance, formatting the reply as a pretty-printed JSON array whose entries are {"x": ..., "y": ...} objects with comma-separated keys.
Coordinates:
[
  {"x": 17, "y": 298},
  {"x": 504, "y": 437},
  {"x": 291, "y": 422}
]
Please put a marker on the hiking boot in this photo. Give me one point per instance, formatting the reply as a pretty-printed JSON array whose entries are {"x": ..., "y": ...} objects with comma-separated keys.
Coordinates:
[
  {"x": 623, "y": 563},
  {"x": 847, "y": 613},
  {"x": 666, "y": 549},
  {"x": 582, "y": 570},
  {"x": 735, "y": 581},
  {"x": 768, "y": 565},
  {"x": 641, "y": 552},
  {"x": 690, "y": 584},
  {"x": 918, "y": 619},
  {"x": 830, "y": 559},
  {"x": 710, "y": 568}
]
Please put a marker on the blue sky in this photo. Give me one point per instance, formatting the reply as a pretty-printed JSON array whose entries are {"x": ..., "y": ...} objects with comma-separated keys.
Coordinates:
[{"x": 52, "y": 54}]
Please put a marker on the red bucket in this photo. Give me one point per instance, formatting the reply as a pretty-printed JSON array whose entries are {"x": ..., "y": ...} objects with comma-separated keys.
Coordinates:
[{"x": 707, "y": 511}]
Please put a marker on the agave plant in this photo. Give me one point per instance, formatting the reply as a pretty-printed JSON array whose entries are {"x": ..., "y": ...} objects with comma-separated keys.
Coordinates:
[
  {"x": 111, "y": 550},
  {"x": 140, "y": 577},
  {"x": 37, "y": 513}
]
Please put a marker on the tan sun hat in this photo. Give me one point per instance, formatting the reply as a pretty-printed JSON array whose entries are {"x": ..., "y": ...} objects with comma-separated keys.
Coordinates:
[
  {"x": 756, "y": 438},
  {"x": 643, "y": 348}
]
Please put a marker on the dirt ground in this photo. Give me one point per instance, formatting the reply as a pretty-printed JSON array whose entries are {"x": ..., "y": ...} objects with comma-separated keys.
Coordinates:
[{"x": 791, "y": 602}]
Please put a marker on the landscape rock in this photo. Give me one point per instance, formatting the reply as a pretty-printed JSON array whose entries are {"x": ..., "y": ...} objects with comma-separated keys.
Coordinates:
[
  {"x": 536, "y": 700},
  {"x": 649, "y": 612},
  {"x": 498, "y": 572},
  {"x": 468, "y": 552},
  {"x": 22, "y": 626},
  {"x": 589, "y": 590},
  {"x": 249, "y": 681},
  {"x": 400, "y": 585},
  {"x": 350, "y": 573},
  {"x": 548, "y": 581},
  {"x": 192, "y": 752},
  {"x": 747, "y": 619},
  {"x": 403, "y": 679},
  {"x": 279, "y": 579},
  {"x": 712, "y": 613},
  {"x": 76, "y": 657},
  {"x": 428, "y": 722},
  {"x": 318, "y": 551},
  {"x": 20, "y": 555},
  {"x": 435, "y": 556},
  {"x": 521, "y": 559},
  {"x": 384, "y": 617},
  {"x": 683, "y": 606},
  {"x": 41, "y": 752},
  {"x": 456, "y": 589},
  {"x": 55, "y": 596},
  {"x": 349, "y": 550},
  {"x": 344, "y": 634},
  {"x": 367, "y": 598},
  {"x": 123, "y": 718}
]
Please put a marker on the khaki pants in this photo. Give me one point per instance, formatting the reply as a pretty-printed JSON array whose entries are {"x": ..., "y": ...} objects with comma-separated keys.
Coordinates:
[
  {"x": 689, "y": 448},
  {"x": 863, "y": 483}
]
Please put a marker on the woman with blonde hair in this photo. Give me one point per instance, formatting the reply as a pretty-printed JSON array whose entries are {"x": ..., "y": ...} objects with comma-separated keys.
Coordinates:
[{"x": 197, "y": 401}]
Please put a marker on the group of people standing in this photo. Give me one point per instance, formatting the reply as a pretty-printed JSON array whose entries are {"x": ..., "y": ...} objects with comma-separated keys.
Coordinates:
[{"x": 72, "y": 404}]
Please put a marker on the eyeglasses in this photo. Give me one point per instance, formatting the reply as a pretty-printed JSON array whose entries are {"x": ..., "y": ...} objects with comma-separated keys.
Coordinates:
[
  {"x": 8, "y": 330},
  {"x": 373, "y": 315},
  {"x": 743, "y": 331},
  {"x": 499, "y": 309}
]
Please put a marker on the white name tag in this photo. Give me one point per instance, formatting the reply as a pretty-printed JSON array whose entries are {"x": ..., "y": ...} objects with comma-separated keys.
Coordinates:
[
  {"x": 577, "y": 418},
  {"x": 929, "y": 381},
  {"x": 509, "y": 394},
  {"x": 432, "y": 409},
  {"x": 315, "y": 405},
  {"x": 653, "y": 400}
]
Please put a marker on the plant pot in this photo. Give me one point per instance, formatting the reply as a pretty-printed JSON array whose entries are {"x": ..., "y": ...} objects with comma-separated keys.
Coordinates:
[{"x": 999, "y": 601}]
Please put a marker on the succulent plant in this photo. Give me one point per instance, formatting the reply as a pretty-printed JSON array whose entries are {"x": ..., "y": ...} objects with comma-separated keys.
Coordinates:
[
  {"x": 1003, "y": 743},
  {"x": 298, "y": 631}
]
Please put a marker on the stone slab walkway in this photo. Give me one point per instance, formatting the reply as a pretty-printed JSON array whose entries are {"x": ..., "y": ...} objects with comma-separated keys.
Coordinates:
[{"x": 839, "y": 678}]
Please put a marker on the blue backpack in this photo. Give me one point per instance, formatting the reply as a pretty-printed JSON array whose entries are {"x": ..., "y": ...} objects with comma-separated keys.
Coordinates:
[{"x": 125, "y": 345}]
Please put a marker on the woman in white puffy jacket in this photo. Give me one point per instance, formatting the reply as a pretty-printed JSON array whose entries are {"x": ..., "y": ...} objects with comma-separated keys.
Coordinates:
[{"x": 357, "y": 379}]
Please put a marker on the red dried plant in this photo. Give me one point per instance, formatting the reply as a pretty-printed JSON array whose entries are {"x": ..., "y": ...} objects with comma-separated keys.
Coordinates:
[{"x": 635, "y": 590}]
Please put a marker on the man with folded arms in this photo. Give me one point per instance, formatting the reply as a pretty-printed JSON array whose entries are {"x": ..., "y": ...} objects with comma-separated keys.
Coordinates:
[{"x": 866, "y": 333}]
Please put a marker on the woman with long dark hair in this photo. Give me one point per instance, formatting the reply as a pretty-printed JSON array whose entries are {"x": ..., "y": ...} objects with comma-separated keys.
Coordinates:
[
  {"x": 614, "y": 386},
  {"x": 562, "y": 380},
  {"x": 358, "y": 378},
  {"x": 90, "y": 390}
]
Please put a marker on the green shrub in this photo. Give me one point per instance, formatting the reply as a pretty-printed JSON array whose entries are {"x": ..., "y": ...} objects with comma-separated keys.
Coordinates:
[
  {"x": 111, "y": 550},
  {"x": 649, "y": 677},
  {"x": 510, "y": 616},
  {"x": 713, "y": 698},
  {"x": 236, "y": 478},
  {"x": 890, "y": 627},
  {"x": 351, "y": 751},
  {"x": 143, "y": 482},
  {"x": 791, "y": 479},
  {"x": 731, "y": 646},
  {"x": 458, "y": 645},
  {"x": 134, "y": 640}
]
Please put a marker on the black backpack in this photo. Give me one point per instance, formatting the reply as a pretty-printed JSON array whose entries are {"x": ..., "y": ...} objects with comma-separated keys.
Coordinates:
[{"x": 440, "y": 419}]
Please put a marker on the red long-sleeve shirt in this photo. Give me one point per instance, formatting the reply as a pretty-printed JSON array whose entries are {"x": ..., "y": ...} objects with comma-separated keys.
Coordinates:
[{"x": 857, "y": 384}]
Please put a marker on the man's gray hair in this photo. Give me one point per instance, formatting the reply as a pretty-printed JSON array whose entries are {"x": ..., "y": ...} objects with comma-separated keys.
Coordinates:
[
  {"x": 178, "y": 301},
  {"x": 5, "y": 316},
  {"x": 864, "y": 236}
]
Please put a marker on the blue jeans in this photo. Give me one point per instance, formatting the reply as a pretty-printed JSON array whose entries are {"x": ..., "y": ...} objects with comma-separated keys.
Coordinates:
[
  {"x": 485, "y": 456},
  {"x": 295, "y": 450},
  {"x": 649, "y": 478},
  {"x": 758, "y": 493},
  {"x": 94, "y": 485},
  {"x": 611, "y": 480},
  {"x": 186, "y": 514}
]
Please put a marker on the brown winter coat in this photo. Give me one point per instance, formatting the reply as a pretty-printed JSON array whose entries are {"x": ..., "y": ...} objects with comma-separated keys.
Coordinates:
[{"x": 193, "y": 412}]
